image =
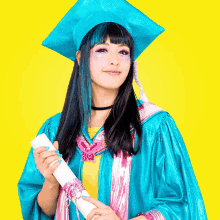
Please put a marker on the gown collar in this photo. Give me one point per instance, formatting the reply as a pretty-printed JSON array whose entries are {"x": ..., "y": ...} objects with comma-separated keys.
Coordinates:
[
  {"x": 86, "y": 145},
  {"x": 86, "y": 134}
]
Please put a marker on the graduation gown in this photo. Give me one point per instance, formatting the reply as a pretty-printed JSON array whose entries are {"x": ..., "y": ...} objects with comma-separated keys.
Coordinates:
[{"x": 161, "y": 176}]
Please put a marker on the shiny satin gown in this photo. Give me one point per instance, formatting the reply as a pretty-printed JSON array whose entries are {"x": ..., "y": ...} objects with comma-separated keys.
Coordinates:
[{"x": 161, "y": 176}]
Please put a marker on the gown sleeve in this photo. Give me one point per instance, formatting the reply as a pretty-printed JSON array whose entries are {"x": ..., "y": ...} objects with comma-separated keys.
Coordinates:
[
  {"x": 176, "y": 192},
  {"x": 30, "y": 184}
]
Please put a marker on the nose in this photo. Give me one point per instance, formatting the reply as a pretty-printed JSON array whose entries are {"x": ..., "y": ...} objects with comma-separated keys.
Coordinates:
[{"x": 113, "y": 58}]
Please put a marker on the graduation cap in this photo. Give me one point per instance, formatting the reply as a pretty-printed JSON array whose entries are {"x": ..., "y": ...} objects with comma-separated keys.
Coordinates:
[{"x": 66, "y": 37}]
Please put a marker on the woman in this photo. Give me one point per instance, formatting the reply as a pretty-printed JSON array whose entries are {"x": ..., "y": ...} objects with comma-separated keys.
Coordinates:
[{"x": 158, "y": 179}]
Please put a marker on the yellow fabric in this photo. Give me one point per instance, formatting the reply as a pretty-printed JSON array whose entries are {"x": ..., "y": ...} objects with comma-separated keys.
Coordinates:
[{"x": 91, "y": 170}]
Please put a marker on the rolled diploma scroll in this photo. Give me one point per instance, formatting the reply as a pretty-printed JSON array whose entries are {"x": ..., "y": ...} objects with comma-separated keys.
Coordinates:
[{"x": 64, "y": 174}]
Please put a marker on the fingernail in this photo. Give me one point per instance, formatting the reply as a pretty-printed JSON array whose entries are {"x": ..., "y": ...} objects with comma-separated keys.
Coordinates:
[
  {"x": 47, "y": 148},
  {"x": 59, "y": 161},
  {"x": 83, "y": 196},
  {"x": 56, "y": 151},
  {"x": 60, "y": 155}
]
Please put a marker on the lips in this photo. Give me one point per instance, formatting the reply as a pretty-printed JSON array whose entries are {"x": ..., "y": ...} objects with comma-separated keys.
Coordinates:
[{"x": 113, "y": 72}]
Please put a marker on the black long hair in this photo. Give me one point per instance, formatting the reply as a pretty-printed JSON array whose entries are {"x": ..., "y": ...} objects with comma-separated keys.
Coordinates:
[{"x": 77, "y": 107}]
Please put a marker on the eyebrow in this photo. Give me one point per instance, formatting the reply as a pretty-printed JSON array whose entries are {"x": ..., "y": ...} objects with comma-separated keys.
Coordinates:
[{"x": 121, "y": 45}]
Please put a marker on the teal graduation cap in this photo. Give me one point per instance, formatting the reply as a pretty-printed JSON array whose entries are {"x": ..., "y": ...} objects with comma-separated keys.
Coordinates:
[{"x": 66, "y": 37}]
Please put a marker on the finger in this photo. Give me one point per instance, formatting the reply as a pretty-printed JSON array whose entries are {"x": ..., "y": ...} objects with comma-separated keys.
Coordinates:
[
  {"x": 56, "y": 145},
  {"x": 97, "y": 203},
  {"x": 101, "y": 218},
  {"x": 39, "y": 150},
  {"x": 54, "y": 166},
  {"x": 48, "y": 171},
  {"x": 95, "y": 211},
  {"x": 46, "y": 154},
  {"x": 51, "y": 159}
]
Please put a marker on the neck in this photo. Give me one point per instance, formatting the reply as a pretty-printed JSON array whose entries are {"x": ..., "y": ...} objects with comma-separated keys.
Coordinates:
[{"x": 102, "y": 98}]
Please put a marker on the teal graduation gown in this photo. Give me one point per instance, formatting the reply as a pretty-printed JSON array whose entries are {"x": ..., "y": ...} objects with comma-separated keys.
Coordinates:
[{"x": 161, "y": 178}]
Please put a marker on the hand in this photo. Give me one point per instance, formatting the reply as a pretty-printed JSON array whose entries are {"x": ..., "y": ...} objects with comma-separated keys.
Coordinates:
[
  {"x": 105, "y": 212},
  {"x": 43, "y": 158}
]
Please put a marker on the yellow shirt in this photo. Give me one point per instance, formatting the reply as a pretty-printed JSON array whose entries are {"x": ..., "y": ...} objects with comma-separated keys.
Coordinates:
[{"x": 90, "y": 172}]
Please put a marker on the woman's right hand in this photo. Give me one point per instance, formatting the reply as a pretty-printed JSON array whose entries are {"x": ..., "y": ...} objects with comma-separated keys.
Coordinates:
[{"x": 43, "y": 158}]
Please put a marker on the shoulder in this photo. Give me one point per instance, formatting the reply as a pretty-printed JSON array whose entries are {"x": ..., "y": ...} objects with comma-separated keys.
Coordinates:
[
  {"x": 50, "y": 126},
  {"x": 55, "y": 120},
  {"x": 157, "y": 123},
  {"x": 151, "y": 115},
  {"x": 52, "y": 121}
]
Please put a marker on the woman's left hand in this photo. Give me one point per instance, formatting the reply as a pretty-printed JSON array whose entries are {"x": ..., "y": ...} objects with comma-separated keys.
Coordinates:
[{"x": 105, "y": 212}]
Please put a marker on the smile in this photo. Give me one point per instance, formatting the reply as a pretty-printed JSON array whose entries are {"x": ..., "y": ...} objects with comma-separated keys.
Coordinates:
[{"x": 113, "y": 72}]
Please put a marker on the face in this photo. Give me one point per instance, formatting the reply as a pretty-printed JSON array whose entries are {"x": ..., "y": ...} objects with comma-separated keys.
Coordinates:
[{"x": 104, "y": 60}]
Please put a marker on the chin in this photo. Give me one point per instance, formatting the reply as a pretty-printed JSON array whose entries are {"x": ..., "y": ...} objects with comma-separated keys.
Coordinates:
[{"x": 113, "y": 86}]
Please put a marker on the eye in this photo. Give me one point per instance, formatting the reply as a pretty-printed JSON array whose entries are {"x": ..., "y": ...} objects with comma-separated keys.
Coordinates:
[
  {"x": 124, "y": 52},
  {"x": 101, "y": 50}
]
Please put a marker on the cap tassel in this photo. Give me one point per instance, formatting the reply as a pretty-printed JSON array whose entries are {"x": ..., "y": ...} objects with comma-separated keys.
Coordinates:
[{"x": 142, "y": 96}]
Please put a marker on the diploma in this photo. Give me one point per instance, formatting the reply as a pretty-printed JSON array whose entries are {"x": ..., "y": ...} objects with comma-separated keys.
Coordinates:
[{"x": 64, "y": 174}]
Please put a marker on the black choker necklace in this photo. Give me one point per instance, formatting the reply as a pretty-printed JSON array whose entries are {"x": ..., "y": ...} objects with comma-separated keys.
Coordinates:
[{"x": 101, "y": 108}]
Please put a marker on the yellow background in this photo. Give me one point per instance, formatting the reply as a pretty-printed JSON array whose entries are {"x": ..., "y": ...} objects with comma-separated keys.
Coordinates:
[{"x": 179, "y": 72}]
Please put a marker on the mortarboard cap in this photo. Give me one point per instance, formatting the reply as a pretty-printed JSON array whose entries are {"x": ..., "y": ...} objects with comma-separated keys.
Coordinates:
[{"x": 66, "y": 37}]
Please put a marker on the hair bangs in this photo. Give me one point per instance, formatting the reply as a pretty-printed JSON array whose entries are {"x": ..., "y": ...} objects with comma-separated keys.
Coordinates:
[{"x": 117, "y": 34}]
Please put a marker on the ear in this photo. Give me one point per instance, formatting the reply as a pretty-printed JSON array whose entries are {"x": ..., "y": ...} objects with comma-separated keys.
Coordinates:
[{"x": 78, "y": 55}]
